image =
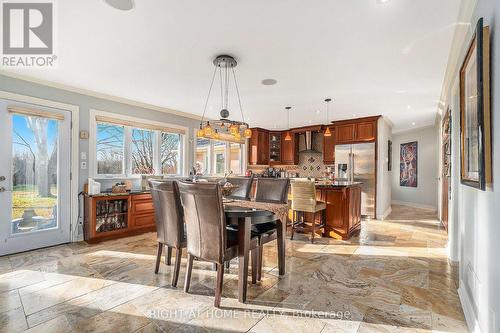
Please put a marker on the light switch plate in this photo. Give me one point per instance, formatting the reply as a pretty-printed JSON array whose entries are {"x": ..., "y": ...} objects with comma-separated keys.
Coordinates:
[
  {"x": 84, "y": 135},
  {"x": 84, "y": 165},
  {"x": 83, "y": 155}
]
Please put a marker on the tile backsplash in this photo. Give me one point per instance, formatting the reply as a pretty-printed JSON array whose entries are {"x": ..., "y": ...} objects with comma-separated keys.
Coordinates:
[{"x": 310, "y": 163}]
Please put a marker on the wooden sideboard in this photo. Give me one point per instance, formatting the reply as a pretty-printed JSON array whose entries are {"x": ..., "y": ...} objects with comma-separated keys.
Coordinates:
[{"x": 109, "y": 216}]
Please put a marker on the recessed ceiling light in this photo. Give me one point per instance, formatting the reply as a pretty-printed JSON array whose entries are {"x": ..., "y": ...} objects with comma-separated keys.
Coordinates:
[
  {"x": 317, "y": 111},
  {"x": 121, "y": 4},
  {"x": 269, "y": 82},
  {"x": 381, "y": 2},
  {"x": 354, "y": 115},
  {"x": 310, "y": 121},
  {"x": 408, "y": 107},
  {"x": 413, "y": 123}
]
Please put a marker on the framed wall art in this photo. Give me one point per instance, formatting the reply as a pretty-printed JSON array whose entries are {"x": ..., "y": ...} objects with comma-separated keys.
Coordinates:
[
  {"x": 408, "y": 164},
  {"x": 475, "y": 125}
]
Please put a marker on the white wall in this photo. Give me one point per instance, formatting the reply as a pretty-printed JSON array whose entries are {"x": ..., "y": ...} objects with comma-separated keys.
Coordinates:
[
  {"x": 383, "y": 175},
  {"x": 475, "y": 215},
  {"x": 425, "y": 194}
]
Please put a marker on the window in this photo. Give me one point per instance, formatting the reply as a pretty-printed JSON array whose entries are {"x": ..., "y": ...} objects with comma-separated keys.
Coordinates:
[
  {"x": 110, "y": 149},
  {"x": 142, "y": 152},
  {"x": 235, "y": 158},
  {"x": 170, "y": 147},
  {"x": 130, "y": 147},
  {"x": 202, "y": 158},
  {"x": 219, "y": 157}
]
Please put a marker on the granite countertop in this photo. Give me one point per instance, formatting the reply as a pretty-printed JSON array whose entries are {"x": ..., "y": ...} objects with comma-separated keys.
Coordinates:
[{"x": 335, "y": 184}]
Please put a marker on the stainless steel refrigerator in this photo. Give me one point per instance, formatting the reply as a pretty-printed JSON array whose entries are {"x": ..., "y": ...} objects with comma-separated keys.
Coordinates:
[{"x": 356, "y": 162}]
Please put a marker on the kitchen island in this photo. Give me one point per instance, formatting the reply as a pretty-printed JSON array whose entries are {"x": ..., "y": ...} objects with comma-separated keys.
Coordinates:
[{"x": 343, "y": 207}]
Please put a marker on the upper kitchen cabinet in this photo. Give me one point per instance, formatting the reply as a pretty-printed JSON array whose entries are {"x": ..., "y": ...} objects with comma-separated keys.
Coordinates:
[
  {"x": 258, "y": 147},
  {"x": 356, "y": 130},
  {"x": 345, "y": 133},
  {"x": 275, "y": 148},
  {"x": 329, "y": 148},
  {"x": 290, "y": 150}
]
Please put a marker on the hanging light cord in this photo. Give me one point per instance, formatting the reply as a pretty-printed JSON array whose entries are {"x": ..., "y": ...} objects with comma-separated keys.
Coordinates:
[
  {"x": 238, "y": 94},
  {"x": 327, "y": 102},
  {"x": 208, "y": 96}
]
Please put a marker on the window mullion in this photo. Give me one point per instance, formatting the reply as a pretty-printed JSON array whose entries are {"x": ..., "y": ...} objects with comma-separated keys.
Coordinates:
[
  {"x": 156, "y": 152},
  {"x": 128, "y": 152}
]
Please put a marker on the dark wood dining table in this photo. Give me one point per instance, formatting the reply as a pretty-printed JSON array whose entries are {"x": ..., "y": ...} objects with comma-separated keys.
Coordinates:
[{"x": 245, "y": 217}]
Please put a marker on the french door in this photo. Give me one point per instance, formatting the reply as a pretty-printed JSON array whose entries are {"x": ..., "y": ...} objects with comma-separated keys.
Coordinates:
[{"x": 35, "y": 164}]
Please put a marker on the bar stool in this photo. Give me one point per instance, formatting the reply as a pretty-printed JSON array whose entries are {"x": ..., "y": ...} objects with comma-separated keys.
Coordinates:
[{"x": 304, "y": 201}]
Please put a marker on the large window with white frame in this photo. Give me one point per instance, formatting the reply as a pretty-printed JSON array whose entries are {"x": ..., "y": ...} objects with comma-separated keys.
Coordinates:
[
  {"x": 217, "y": 158},
  {"x": 128, "y": 148}
]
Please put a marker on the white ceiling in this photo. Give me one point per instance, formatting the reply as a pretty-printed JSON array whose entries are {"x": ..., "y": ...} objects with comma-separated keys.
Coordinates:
[{"x": 371, "y": 58}]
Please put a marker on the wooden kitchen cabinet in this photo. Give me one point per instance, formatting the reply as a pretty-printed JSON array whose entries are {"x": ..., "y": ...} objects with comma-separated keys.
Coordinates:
[
  {"x": 356, "y": 130},
  {"x": 345, "y": 133},
  {"x": 275, "y": 148},
  {"x": 290, "y": 150},
  {"x": 258, "y": 147},
  {"x": 109, "y": 216},
  {"x": 329, "y": 148},
  {"x": 366, "y": 131}
]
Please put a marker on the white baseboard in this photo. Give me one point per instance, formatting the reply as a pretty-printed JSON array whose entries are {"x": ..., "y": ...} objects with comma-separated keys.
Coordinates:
[
  {"x": 468, "y": 308},
  {"x": 386, "y": 213},
  {"x": 415, "y": 205}
]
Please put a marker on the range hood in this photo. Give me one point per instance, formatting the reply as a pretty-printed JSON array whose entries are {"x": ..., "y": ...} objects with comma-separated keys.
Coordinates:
[{"x": 308, "y": 138}]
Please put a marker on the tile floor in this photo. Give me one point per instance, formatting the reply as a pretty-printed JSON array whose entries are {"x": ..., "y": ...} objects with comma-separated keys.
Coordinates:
[{"x": 394, "y": 277}]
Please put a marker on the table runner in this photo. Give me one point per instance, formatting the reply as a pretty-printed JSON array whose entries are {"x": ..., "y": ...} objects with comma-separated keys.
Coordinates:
[{"x": 281, "y": 210}]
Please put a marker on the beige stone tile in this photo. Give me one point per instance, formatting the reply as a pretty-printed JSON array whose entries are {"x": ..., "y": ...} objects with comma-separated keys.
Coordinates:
[
  {"x": 48, "y": 297},
  {"x": 288, "y": 323},
  {"x": 49, "y": 280},
  {"x": 442, "y": 323},
  {"x": 57, "y": 325},
  {"x": 224, "y": 319},
  {"x": 13, "y": 321},
  {"x": 340, "y": 326},
  {"x": 19, "y": 278},
  {"x": 5, "y": 265},
  {"x": 9, "y": 300}
]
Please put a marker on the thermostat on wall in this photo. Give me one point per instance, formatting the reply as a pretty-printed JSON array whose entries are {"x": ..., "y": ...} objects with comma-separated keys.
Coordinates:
[{"x": 84, "y": 135}]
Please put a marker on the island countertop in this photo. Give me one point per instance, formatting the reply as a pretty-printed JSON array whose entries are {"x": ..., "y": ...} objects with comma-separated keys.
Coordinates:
[{"x": 335, "y": 184}]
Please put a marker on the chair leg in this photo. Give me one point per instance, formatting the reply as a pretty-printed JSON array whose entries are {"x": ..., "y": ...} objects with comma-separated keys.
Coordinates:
[
  {"x": 188, "y": 272},
  {"x": 293, "y": 224},
  {"x": 177, "y": 267},
  {"x": 259, "y": 263},
  {"x": 168, "y": 256},
  {"x": 218, "y": 287},
  {"x": 158, "y": 257},
  {"x": 323, "y": 215},
  {"x": 313, "y": 225},
  {"x": 227, "y": 264},
  {"x": 255, "y": 256}
]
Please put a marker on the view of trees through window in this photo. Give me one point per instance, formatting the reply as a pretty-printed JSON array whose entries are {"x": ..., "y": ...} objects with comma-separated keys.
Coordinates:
[
  {"x": 34, "y": 173},
  {"x": 110, "y": 149},
  {"x": 142, "y": 152},
  {"x": 169, "y": 151},
  {"x": 150, "y": 151}
]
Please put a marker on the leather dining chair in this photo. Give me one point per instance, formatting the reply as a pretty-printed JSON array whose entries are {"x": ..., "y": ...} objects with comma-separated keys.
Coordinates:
[
  {"x": 270, "y": 190},
  {"x": 244, "y": 187},
  {"x": 208, "y": 238},
  {"x": 169, "y": 221},
  {"x": 304, "y": 201}
]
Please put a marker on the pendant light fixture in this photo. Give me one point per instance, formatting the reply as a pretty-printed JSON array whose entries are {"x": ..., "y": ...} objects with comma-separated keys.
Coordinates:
[
  {"x": 232, "y": 129},
  {"x": 327, "y": 131},
  {"x": 288, "y": 137}
]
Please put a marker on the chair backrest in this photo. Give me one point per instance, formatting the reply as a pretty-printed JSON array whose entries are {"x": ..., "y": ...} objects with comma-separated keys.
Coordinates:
[
  {"x": 303, "y": 195},
  {"x": 169, "y": 216},
  {"x": 274, "y": 190},
  {"x": 243, "y": 191},
  {"x": 205, "y": 220}
]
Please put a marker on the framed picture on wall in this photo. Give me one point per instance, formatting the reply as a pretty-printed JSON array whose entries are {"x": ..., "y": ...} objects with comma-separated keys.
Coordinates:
[
  {"x": 475, "y": 125},
  {"x": 408, "y": 163}
]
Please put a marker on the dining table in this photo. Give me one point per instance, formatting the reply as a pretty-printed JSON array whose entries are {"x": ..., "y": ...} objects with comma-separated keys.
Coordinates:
[{"x": 245, "y": 214}]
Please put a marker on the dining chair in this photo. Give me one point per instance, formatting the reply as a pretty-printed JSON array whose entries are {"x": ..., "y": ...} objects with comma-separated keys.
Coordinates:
[
  {"x": 269, "y": 190},
  {"x": 169, "y": 221},
  {"x": 207, "y": 236},
  {"x": 304, "y": 201},
  {"x": 244, "y": 187}
]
